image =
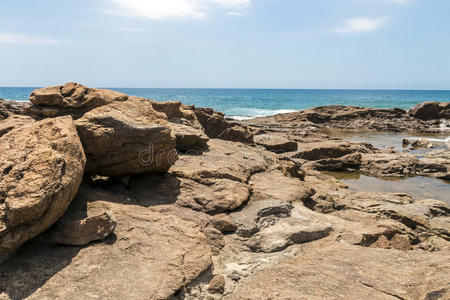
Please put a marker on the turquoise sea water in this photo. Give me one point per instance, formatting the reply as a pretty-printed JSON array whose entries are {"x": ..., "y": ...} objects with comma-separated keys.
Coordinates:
[{"x": 244, "y": 103}]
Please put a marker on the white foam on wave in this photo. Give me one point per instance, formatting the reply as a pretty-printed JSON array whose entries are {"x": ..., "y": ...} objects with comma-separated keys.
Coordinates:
[{"x": 242, "y": 113}]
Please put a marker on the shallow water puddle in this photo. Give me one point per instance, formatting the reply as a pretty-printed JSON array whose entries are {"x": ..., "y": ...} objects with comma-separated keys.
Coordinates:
[
  {"x": 418, "y": 187},
  {"x": 384, "y": 140}
]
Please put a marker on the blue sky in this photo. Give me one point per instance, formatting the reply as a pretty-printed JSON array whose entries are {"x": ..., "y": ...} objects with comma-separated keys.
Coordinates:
[{"x": 364, "y": 44}]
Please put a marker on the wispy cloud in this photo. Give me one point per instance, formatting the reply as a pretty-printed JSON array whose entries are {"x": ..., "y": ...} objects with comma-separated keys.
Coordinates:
[
  {"x": 12, "y": 38},
  {"x": 166, "y": 9},
  {"x": 361, "y": 24}
]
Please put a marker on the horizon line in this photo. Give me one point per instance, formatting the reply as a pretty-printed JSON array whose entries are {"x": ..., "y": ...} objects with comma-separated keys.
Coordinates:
[{"x": 249, "y": 88}]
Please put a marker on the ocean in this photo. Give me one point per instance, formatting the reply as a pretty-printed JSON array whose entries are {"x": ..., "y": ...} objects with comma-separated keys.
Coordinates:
[{"x": 248, "y": 103}]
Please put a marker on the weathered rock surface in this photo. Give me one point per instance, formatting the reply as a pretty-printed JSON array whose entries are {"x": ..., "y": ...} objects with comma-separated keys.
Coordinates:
[
  {"x": 41, "y": 168},
  {"x": 77, "y": 228},
  {"x": 430, "y": 110},
  {"x": 224, "y": 159},
  {"x": 350, "y": 272},
  {"x": 70, "y": 99},
  {"x": 151, "y": 256},
  {"x": 188, "y": 139},
  {"x": 8, "y": 107},
  {"x": 331, "y": 149},
  {"x": 216, "y": 126},
  {"x": 350, "y": 117},
  {"x": 286, "y": 232},
  {"x": 12, "y": 122},
  {"x": 126, "y": 138},
  {"x": 276, "y": 143},
  {"x": 232, "y": 219}
]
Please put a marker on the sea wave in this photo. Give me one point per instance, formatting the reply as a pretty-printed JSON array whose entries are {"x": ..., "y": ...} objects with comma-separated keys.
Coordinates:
[{"x": 242, "y": 113}]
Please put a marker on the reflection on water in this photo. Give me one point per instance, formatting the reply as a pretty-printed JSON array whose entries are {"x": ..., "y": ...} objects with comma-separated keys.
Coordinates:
[
  {"x": 383, "y": 140},
  {"x": 418, "y": 187}
]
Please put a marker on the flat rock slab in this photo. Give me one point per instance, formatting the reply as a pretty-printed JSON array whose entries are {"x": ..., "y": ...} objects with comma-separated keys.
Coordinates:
[
  {"x": 41, "y": 168},
  {"x": 275, "y": 143},
  {"x": 224, "y": 159},
  {"x": 152, "y": 256},
  {"x": 221, "y": 195},
  {"x": 350, "y": 272},
  {"x": 286, "y": 232}
]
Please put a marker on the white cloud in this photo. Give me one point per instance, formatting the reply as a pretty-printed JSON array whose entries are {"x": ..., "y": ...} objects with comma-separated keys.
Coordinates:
[
  {"x": 11, "y": 38},
  {"x": 165, "y": 9},
  {"x": 361, "y": 24}
]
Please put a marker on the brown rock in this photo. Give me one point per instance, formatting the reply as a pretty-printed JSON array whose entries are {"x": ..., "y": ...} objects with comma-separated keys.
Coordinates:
[
  {"x": 41, "y": 168},
  {"x": 71, "y": 98},
  {"x": 276, "y": 144},
  {"x": 189, "y": 139},
  {"x": 156, "y": 255},
  {"x": 350, "y": 272},
  {"x": 8, "y": 107},
  {"x": 220, "y": 195},
  {"x": 126, "y": 138},
  {"x": 14, "y": 121},
  {"x": 427, "y": 110},
  {"x": 84, "y": 231},
  {"x": 224, "y": 223},
  {"x": 214, "y": 238},
  {"x": 330, "y": 149},
  {"x": 217, "y": 284},
  {"x": 236, "y": 133}
]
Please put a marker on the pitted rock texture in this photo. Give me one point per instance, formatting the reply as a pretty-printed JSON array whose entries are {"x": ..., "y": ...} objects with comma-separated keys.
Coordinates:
[{"x": 41, "y": 168}]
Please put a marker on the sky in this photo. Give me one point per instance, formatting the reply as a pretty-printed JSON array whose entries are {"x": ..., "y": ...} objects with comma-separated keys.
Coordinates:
[{"x": 323, "y": 44}]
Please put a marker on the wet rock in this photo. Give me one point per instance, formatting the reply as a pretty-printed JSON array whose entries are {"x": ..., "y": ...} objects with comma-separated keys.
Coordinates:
[
  {"x": 286, "y": 232},
  {"x": 41, "y": 168},
  {"x": 276, "y": 144},
  {"x": 421, "y": 143},
  {"x": 348, "y": 117},
  {"x": 427, "y": 110},
  {"x": 70, "y": 99},
  {"x": 126, "y": 138}
]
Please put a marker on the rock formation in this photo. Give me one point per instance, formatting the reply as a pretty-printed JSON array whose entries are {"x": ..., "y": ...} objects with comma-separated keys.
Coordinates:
[
  {"x": 41, "y": 168},
  {"x": 178, "y": 202}
]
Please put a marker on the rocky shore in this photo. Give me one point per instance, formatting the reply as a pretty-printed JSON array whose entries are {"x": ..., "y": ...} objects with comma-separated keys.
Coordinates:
[{"x": 104, "y": 195}]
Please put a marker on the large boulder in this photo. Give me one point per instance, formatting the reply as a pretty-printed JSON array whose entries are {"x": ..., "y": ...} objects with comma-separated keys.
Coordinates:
[
  {"x": 429, "y": 110},
  {"x": 126, "y": 138},
  {"x": 41, "y": 167},
  {"x": 71, "y": 98}
]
